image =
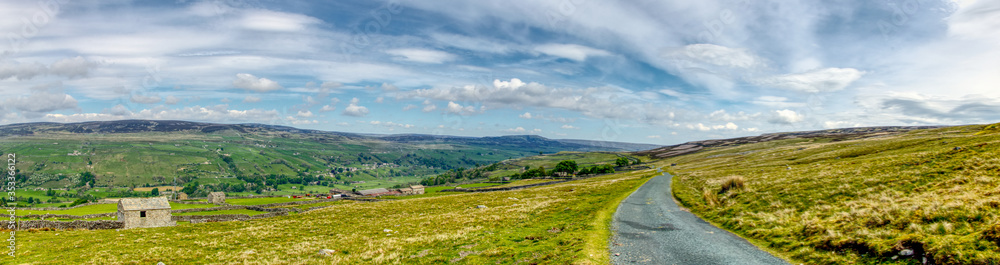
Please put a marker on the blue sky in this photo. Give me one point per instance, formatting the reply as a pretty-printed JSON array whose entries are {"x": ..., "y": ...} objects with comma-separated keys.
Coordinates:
[{"x": 637, "y": 71}]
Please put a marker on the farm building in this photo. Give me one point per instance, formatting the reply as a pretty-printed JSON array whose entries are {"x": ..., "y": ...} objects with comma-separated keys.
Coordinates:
[
  {"x": 406, "y": 191},
  {"x": 144, "y": 212},
  {"x": 375, "y": 192},
  {"x": 217, "y": 197},
  {"x": 417, "y": 189},
  {"x": 182, "y": 196}
]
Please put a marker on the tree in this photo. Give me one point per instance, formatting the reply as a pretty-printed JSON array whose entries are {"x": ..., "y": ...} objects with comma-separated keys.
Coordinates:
[
  {"x": 86, "y": 177},
  {"x": 568, "y": 166},
  {"x": 621, "y": 162},
  {"x": 156, "y": 192}
]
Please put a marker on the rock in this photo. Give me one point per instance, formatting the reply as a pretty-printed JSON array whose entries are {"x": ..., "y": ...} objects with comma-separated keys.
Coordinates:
[
  {"x": 160, "y": 263},
  {"x": 386, "y": 230},
  {"x": 618, "y": 254},
  {"x": 906, "y": 252},
  {"x": 326, "y": 252},
  {"x": 481, "y": 206}
]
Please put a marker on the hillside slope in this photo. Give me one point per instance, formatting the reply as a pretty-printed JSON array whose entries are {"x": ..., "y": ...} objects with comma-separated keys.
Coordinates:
[
  {"x": 141, "y": 152},
  {"x": 896, "y": 198}
]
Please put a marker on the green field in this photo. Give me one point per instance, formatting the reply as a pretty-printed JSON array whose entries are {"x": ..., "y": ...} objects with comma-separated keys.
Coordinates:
[
  {"x": 237, "y": 211},
  {"x": 260, "y": 201},
  {"x": 557, "y": 224},
  {"x": 818, "y": 201},
  {"x": 103, "y": 208}
]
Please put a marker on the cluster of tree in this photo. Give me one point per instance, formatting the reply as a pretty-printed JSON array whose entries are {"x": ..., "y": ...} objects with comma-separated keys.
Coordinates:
[
  {"x": 458, "y": 175},
  {"x": 625, "y": 161}
]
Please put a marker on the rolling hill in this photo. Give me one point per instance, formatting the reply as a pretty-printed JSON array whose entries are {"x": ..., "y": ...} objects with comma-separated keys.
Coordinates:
[{"x": 146, "y": 152}]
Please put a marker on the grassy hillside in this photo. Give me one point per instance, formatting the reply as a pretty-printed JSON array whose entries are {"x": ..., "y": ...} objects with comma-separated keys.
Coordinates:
[
  {"x": 827, "y": 201},
  {"x": 558, "y": 224},
  {"x": 136, "y": 153}
]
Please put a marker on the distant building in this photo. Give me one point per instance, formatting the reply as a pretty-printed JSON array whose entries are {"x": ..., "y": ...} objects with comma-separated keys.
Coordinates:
[
  {"x": 182, "y": 196},
  {"x": 406, "y": 191},
  {"x": 144, "y": 212},
  {"x": 217, "y": 197},
  {"x": 417, "y": 189},
  {"x": 374, "y": 192}
]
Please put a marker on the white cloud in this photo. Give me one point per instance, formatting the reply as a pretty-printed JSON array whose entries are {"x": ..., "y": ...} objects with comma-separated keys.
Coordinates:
[
  {"x": 569, "y": 127},
  {"x": 840, "y": 124},
  {"x": 526, "y": 115},
  {"x": 429, "y": 108},
  {"x": 574, "y": 52},
  {"x": 379, "y": 99},
  {"x": 251, "y": 99},
  {"x": 72, "y": 67},
  {"x": 409, "y": 107},
  {"x": 252, "y": 83},
  {"x": 821, "y": 80},
  {"x": 331, "y": 85},
  {"x": 137, "y": 98},
  {"x": 776, "y": 102},
  {"x": 304, "y": 114},
  {"x": 267, "y": 20},
  {"x": 354, "y": 110},
  {"x": 389, "y": 87},
  {"x": 41, "y": 102},
  {"x": 722, "y": 115},
  {"x": 422, "y": 55},
  {"x": 170, "y": 100},
  {"x": 653, "y": 137},
  {"x": 515, "y": 130},
  {"x": 785, "y": 117},
  {"x": 219, "y": 113},
  {"x": 604, "y": 102},
  {"x": 455, "y": 108}
]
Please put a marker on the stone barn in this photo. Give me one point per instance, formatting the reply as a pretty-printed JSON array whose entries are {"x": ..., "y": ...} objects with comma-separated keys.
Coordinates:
[
  {"x": 417, "y": 189},
  {"x": 144, "y": 212},
  {"x": 217, "y": 197},
  {"x": 182, "y": 196}
]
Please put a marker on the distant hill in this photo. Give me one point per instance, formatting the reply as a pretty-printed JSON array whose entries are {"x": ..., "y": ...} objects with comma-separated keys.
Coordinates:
[
  {"x": 834, "y": 134},
  {"x": 141, "y": 152}
]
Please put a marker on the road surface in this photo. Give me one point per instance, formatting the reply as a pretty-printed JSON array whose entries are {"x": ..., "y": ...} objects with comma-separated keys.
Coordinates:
[{"x": 649, "y": 228}]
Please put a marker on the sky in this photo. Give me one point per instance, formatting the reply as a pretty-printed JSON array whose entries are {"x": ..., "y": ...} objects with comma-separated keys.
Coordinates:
[{"x": 660, "y": 72}]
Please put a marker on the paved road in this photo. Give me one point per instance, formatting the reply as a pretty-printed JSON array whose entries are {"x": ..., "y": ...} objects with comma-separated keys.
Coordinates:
[{"x": 650, "y": 228}]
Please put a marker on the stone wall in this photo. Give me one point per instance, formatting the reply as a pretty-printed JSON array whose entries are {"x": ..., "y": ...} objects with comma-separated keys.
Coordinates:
[
  {"x": 64, "y": 208},
  {"x": 67, "y": 216},
  {"x": 78, "y": 224}
]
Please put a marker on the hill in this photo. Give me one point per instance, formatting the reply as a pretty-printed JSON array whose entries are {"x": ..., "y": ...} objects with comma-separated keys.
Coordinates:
[
  {"x": 865, "y": 196},
  {"x": 145, "y": 152}
]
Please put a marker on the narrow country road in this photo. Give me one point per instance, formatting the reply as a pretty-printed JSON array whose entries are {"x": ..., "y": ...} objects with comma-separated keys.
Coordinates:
[{"x": 650, "y": 228}]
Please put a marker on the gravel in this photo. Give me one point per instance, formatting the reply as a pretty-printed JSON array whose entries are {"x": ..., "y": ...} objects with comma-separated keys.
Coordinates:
[{"x": 650, "y": 228}]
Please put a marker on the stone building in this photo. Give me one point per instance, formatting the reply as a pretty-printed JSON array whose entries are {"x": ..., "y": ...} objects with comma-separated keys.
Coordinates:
[
  {"x": 182, "y": 196},
  {"x": 217, "y": 197},
  {"x": 417, "y": 189},
  {"x": 144, "y": 212},
  {"x": 374, "y": 192}
]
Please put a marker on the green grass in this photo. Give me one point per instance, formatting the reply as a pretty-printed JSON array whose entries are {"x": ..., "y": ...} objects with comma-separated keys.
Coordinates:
[
  {"x": 548, "y": 225},
  {"x": 318, "y": 204},
  {"x": 83, "y": 210},
  {"x": 857, "y": 201},
  {"x": 523, "y": 182},
  {"x": 259, "y": 201},
  {"x": 236, "y": 211}
]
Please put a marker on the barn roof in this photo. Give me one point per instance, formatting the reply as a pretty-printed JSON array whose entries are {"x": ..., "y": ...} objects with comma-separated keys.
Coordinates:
[
  {"x": 417, "y": 186},
  {"x": 217, "y": 193},
  {"x": 373, "y": 191},
  {"x": 134, "y": 204}
]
